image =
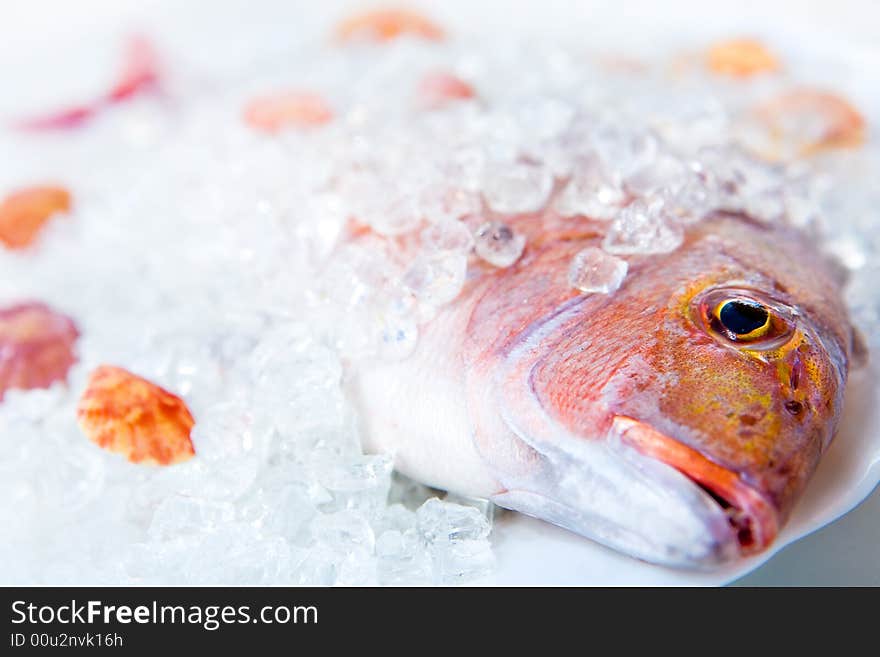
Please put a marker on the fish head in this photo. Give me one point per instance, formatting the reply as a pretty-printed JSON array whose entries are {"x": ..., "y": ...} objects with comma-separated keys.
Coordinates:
[{"x": 716, "y": 373}]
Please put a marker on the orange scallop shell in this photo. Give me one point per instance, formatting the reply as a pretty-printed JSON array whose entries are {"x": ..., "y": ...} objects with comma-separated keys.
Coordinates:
[
  {"x": 741, "y": 58},
  {"x": 129, "y": 415},
  {"x": 387, "y": 25},
  {"x": 292, "y": 109},
  {"x": 813, "y": 120},
  {"x": 36, "y": 346},
  {"x": 24, "y": 213}
]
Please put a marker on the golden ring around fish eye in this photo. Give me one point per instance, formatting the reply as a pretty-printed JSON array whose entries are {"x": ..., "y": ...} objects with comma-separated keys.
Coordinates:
[{"x": 742, "y": 319}]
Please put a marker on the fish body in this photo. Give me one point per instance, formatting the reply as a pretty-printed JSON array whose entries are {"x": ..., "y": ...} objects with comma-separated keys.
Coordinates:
[{"x": 638, "y": 418}]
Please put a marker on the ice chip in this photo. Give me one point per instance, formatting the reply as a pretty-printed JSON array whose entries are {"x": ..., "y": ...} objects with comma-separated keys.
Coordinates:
[
  {"x": 592, "y": 270},
  {"x": 399, "y": 335},
  {"x": 462, "y": 561},
  {"x": 643, "y": 228},
  {"x": 437, "y": 278},
  {"x": 498, "y": 244},
  {"x": 440, "y": 522},
  {"x": 239, "y": 555},
  {"x": 284, "y": 510},
  {"x": 361, "y": 484},
  {"x": 401, "y": 559},
  {"x": 451, "y": 235},
  {"x": 343, "y": 531},
  {"x": 590, "y": 193},
  {"x": 621, "y": 150},
  {"x": 179, "y": 515},
  {"x": 664, "y": 172},
  {"x": 517, "y": 187},
  {"x": 358, "y": 568},
  {"x": 443, "y": 202}
]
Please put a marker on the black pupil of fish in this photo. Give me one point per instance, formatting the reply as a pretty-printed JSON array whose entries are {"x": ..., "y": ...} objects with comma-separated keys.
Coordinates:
[{"x": 742, "y": 317}]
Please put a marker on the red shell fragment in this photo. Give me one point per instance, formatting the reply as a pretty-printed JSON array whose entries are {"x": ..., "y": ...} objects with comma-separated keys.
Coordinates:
[
  {"x": 438, "y": 88},
  {"x": 388, "y": 24},
  {"x": 292, "y": 109},
  {"x": 36, "y": 346},
  {"x": 813, "y": 121},
  {"x": 24, "y": 212},
  {"x": 131, "y": 416},
  {"x": 741, "y": 58},
  {"x": 139, "y": 72}
]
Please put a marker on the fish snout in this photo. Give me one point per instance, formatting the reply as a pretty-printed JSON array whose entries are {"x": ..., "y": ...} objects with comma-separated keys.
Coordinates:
[{"x": 753, "y": 518}]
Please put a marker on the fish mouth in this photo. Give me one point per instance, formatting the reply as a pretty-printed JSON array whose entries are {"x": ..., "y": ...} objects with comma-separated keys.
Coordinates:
[{"x": 751, "y": 515}]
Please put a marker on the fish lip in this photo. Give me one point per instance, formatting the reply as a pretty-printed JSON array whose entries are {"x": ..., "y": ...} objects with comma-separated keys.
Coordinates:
[{"x": 750, "y": 513}]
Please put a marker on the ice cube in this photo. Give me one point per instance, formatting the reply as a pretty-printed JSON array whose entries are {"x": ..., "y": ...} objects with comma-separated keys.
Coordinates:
[
  {"x": 643, "y": 227},
  {"x": 444, "y": 203},
  {"x": 360, "y": 484},
  {"x": 284, "y": 510},
  {"x": 398, "y": 216},
  {"x": 498, "y": 244},
  {"x": 358, "y": 568},
  {"x": 440, "y": 521},
  {"x": 623, "y": 150},
  {"x": 462, "y": 561},
  {"x": 408, "y": 492},
  {"x": 517, "y": 187},
  {"x": 384, "y": 206},
  {"x": 437, "y": 278},
  {"x": 742, "y": 183},
  {"x": 231, "y": 446},
  {"x": 545, "y": 118},
  {"x": 451, "y": 235},
  {"x": 343, "y": 531},
  {"x": 664, "y": 172},
  {"x": 238, "y": 554},
  {"x": 481, "y": 504},
  {"x": 181, "y": 514},
  {"x": 399, "y": 336},
  {"x": 690, "y": 203},
  {"x": 592, "y": 270},
  {"x": 396, "y": 517},
  {"x": 467, "y": 166},
  {"x": 401, "y": 559},
  {"x": 590, "y": 193}
]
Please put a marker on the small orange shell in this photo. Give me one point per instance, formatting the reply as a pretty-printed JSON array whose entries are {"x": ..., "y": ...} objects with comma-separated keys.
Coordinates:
[
  {"x": 811, "y": 121},
  {"x": 24, "y": 212},
  {"x": 741, "y": 58},
  {"x": 36, "y": 346},
  {"x": 292, "y": 109},
  {"x": 438, "y": 88},
  {"x": 388, "y": 24},
  {"x": 126, "y": 414}
]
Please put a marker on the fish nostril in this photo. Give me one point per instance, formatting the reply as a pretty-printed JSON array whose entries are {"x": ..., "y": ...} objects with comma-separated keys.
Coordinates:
[
  {"x": 748, "y": 420},
  {"x": 794, "y": 407}
]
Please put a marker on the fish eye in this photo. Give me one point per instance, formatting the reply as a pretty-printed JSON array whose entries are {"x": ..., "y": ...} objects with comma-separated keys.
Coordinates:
[
  {"x": 742, "y": 319},
  {"x": 745, "y": 318}
]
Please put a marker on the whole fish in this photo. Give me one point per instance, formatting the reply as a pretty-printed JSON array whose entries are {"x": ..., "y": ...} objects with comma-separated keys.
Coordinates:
[{"x": 677, "y": 420}]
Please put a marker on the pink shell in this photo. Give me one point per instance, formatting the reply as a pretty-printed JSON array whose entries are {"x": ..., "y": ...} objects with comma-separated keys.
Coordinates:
[{"x": 36, "y": 346}]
